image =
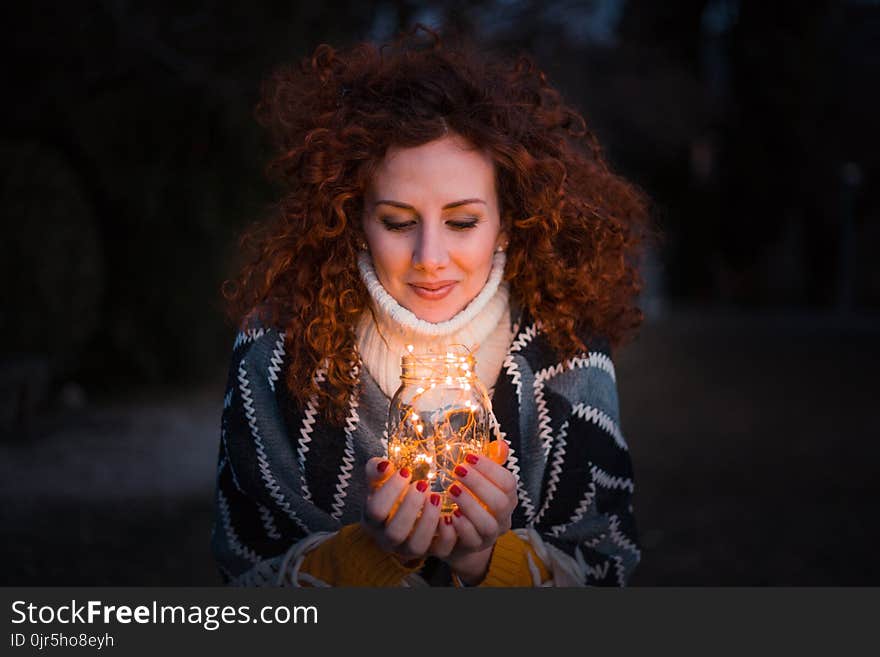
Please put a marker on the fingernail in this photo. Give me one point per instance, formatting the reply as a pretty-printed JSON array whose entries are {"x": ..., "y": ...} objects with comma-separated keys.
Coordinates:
[
  {"x": 382, "y": 466},
  {"x": 455, "y": 490},
  {"x": 404, "y": 472},
  {"x": 472, "y": 459},
  {"x": 447, "y": 520},
  {"x": 457, "y": 513},
  {"x": 435, "y": 499},
  {"x": 422, "y": 486},
  {"x": 460, "y": 470}
]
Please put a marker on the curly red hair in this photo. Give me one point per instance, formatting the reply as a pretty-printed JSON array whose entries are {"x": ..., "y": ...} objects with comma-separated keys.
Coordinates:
[{"x": 574, "y": 227}]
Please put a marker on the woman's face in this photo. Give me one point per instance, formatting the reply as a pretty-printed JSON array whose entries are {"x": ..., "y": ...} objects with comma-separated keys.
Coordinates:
[{"x": 432, "y": 224}]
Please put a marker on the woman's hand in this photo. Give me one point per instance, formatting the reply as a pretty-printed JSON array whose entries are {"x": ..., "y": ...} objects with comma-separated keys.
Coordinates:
[
  {"x": 485, "y": 492},
  {"x": 402, "y": 516}
]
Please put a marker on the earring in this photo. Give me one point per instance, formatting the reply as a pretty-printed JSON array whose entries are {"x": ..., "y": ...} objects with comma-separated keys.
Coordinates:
[
  {"x": 501, "y": 248},
  {"x": 362, "y": 245}
]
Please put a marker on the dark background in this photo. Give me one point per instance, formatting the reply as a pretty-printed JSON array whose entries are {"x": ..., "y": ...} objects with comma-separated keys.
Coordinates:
[{"x": 131, "y": 162}]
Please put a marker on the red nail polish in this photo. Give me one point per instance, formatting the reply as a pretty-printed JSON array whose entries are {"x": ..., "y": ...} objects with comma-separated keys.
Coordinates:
[
  {"x": 457, "y": 513},
  {"x": 422, "y": 486},
  {"x": 404, "y": 472},
  {"x": 455, "y": 490},
  {"x": 435, "y": 499},
  {"x": 382, "y": 466},
  {"x": 472, "y": 459},
  {"x": 460, "y": 470},
  {"x": 447, "y": 520}
]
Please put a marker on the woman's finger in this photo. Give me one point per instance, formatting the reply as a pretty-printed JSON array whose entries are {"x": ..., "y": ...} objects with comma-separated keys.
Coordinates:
[
  {"x": 490, "y": 495},
  {"x": 482, "y": 520},
  {"x": 468, "y": 536},
  {"x": 444, "y": 541},
  {"x": 382, "y": 501},
  {"x": 423, "y": 533},
  {"x": 499, "y": 475},
  {"x": 401, "y": 524},
  {"x": 378, "y": 470}
]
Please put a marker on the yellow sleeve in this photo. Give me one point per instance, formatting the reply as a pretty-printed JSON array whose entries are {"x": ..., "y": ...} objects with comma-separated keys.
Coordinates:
[
  {"x": 509, "y": 563},
  {"x": 352, "y": 558}
]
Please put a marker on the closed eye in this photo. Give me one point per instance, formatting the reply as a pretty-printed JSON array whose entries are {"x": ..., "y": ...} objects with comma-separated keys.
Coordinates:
[
  {"x": 399, "y": 226},
  {"x": 464, "y": 225}
]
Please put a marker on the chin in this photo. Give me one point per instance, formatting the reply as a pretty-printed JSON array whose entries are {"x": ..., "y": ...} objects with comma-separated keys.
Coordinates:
[
  {"x": 433, "y": 315},
  {"x": 434, "y": 312}
]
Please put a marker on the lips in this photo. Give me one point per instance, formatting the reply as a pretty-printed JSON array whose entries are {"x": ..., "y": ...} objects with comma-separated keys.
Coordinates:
[
  {"x": 433, "y": 286},
  {"x": 434, "y": 290}
]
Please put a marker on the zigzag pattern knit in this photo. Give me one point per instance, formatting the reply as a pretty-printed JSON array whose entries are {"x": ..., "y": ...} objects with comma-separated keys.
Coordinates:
[{"x": 286, "y": 479}]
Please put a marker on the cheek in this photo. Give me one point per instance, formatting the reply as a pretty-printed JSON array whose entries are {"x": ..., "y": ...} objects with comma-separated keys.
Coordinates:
[
  {"x": 390, "y": 259},
  {"x": 476, "y": 258}
]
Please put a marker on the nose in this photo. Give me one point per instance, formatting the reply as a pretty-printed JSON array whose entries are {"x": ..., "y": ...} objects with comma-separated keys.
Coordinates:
[{"x": 430, "y": 252}]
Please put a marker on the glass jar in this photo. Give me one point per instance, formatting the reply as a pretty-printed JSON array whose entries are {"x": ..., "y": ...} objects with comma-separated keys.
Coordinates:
[{"x": 439, "y": 413}]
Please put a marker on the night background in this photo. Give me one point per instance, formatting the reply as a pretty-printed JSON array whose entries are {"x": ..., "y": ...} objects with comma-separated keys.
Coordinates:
[{"x": 131, "y": 162}]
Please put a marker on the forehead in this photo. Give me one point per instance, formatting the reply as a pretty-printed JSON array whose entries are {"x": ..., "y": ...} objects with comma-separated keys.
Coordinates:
[{"x": 445, "y": 169}]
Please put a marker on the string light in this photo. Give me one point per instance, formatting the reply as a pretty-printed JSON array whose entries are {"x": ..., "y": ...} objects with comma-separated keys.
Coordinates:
[{"x": 431, "y": 434}]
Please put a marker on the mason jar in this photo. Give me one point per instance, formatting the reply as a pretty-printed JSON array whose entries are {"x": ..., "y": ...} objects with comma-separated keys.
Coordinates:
[{"x": 439, "y": 414}]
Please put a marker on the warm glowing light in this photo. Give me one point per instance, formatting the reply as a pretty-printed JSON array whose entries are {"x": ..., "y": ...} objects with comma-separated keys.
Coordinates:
[{"x": 430, "y": 433}]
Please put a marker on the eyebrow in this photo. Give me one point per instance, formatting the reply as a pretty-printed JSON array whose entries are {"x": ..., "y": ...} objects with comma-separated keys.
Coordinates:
[{"x": 454, "y": 204}]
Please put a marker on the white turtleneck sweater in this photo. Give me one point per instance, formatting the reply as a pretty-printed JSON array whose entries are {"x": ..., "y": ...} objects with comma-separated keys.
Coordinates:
[{"x": 483, "y": 326}]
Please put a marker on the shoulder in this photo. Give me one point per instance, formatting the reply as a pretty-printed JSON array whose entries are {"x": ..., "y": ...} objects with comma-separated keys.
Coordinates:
[
  {"x": 532, "y": 343},
  {"x": 580, "y": 383},
  {"x": 255, "y": 332},
  {"x": 258, "y": 352}
]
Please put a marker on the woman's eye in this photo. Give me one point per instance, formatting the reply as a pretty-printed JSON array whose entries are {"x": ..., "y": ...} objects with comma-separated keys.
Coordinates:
[
  {"x": 397, "y": 226},
  {"x": 390, "y": 224}
]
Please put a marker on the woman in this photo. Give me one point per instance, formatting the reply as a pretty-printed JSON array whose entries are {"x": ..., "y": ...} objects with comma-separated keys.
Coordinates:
[{"x": 431, "y": 196}]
